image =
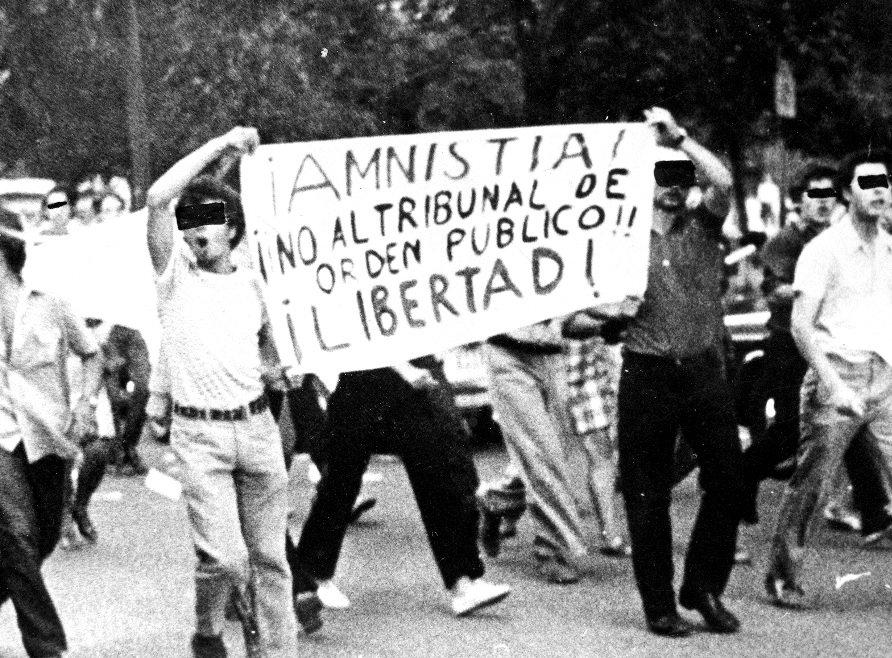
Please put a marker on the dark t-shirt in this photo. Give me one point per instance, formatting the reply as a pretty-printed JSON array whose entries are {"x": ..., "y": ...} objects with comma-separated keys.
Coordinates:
[
  {"x": 681, "y": 314},
  {"x": 779, "y": 257}
]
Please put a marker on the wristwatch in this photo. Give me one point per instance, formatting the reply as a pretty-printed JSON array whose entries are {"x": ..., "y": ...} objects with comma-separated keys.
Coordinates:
[
  {"x": 682, "y": 135},
  {"x": 93, "y": 401}
]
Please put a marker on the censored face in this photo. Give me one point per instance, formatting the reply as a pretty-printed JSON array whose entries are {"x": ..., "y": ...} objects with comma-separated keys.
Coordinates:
[
  {"x": 209, "y": 240},
  {"x": 58, "y": 210},
  {"x": 673, "y": 181},
  {"x": 818, "y": 201},
  {"x": 868, "y": 191}
]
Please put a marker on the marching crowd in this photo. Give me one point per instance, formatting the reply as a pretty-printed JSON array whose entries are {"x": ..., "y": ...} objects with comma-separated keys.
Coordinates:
[{"x": 643, "y": 386}]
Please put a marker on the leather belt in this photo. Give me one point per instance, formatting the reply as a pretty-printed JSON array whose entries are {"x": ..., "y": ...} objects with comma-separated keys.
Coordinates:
[{"x": 239, "y": 413}]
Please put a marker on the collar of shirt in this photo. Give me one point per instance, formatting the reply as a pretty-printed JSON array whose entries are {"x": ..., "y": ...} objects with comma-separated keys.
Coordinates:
[
  {"x": 853, "y": 239},
  {"x": 675, "y": 224}
]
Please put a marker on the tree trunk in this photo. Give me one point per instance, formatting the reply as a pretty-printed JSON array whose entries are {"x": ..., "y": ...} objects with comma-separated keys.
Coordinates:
[
  {"x": 137, "y": 121},
  {"x": 735, "y": 153}
]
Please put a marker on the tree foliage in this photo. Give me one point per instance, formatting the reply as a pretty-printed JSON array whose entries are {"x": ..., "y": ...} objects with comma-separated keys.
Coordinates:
[{"x": 320, "y": 69}]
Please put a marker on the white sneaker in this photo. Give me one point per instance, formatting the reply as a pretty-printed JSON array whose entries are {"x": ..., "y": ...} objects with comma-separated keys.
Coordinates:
[
  {"x": 331, "y": 596},
  {"x": 471, "y": 595}
]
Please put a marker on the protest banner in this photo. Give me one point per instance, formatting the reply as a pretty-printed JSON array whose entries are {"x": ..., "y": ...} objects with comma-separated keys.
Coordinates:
[
  {"x": 103, "y": 271},
  {"x": 380, "y": 249}
]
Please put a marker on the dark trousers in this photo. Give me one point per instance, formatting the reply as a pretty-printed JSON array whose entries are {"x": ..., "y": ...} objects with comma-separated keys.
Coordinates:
[
  {"x": 97, "y": 453},
  {"x": 658, "y": 397},
  {"x": 307, "y": 418},
  {"x": 781, "y": 382},
  {"x": 784, "y": 371},
  {"x": 374, "y": 412},
  {"x": 32, "y": 497},
  {"x": 127, "y": 360}
]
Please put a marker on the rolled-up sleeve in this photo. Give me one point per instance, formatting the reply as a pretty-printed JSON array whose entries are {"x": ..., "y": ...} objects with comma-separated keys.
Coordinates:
[{"x": 813, "y": 270}]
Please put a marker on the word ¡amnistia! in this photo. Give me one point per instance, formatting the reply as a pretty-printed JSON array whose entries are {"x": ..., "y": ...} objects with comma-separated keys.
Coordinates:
[{"x": 388, "y": 167}]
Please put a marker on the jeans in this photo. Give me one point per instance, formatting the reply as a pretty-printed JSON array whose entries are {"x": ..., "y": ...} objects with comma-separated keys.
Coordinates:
[
  {"x": 658, "y": 397},
  {"x": 377, "y": 411},
  {"x": 530, "y": 395},
  {"x": 827, "y": 434},
  {"x": 31, "y": 503},
  {"x": 235, "y": 488}
]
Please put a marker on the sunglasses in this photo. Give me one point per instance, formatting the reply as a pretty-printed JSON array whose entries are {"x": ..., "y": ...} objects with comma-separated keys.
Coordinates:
[
  {"x": 821, "y": 193},
  {"x": 870, "y": 182},
  {"x": 200, "y": 214},
  {"x": 669, "y": 173}
]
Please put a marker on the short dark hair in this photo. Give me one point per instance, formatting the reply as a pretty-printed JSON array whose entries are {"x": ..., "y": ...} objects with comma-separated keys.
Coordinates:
[
  {"x": 816, "y": 171},
  {"x": 13, "y": 249},
  {"x": 852, "y": 160},
  {"x": 205, "y": 188}
]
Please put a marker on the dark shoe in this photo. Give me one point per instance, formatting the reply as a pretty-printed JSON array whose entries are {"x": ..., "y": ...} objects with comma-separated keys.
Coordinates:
[
  {"x": 84, "y": 524},
  {"x": 308, "y": 607},
  {"x": 616, "y": 547},
  {"x": 361, "y": 508},
  {"x": 841, "y": 519},
  {"x": 208, "y": 646},
  {"x": 670, "y": 625},
  {"x": 131, "y": 457},
  {"x": 873, "y": 536},
  {"x": 557, "y": 571},
  {"x": 783, "y": 593},
  {"x": 717, "y": 617}
]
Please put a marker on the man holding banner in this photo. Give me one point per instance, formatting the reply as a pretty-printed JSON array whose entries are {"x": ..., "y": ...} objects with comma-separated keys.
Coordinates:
[
  {"x": 217, "y": 349},
  {"x": 673, "y": 379}
]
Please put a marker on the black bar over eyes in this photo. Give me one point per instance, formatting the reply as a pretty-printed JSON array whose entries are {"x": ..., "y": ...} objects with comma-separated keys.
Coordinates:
[
  {"x": 56, "y": 204},
  {"x": 668, "y": 173},
  {"x": 200, "y": 214},
  {"x": 821, "y": 193},
  {"x": 870, "y": 182}
]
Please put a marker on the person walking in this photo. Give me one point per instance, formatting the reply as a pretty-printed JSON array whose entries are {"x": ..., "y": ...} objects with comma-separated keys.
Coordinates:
[
  {"x": 840, "y": 322},
  {"x": 391, "y": 410},
  {"x": 673, "y": 378},
  {"x": 217, "y": 345},
  {"x": 39, "y": 434}
]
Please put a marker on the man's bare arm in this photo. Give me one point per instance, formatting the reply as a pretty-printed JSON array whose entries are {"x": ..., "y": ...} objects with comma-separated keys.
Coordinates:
[{"x": 172, "y": 183}]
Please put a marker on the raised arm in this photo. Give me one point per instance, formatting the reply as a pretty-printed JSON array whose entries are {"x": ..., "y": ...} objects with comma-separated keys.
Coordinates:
[
  {"x": 717, "y": 196},
  {"x": 172, "y": 183}
]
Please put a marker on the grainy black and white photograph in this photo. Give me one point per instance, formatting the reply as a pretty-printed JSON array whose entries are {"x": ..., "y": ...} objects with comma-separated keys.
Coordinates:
[{"x": 483, "y": 328}]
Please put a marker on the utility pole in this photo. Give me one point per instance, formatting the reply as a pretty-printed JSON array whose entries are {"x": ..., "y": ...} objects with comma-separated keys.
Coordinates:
[{"x": 137, "y": 119}]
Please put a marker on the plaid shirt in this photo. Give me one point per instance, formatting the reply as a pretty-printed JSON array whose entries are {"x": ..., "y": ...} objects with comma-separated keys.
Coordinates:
[{"x": 593, "y": 376}]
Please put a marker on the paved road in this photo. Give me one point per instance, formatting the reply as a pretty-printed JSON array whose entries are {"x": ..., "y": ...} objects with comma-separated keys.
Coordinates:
[{"x": 131, "y": 595}]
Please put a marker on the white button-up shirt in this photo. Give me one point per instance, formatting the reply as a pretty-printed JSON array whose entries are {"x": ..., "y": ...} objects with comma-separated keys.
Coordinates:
[{"x": 853, "y": 281}]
